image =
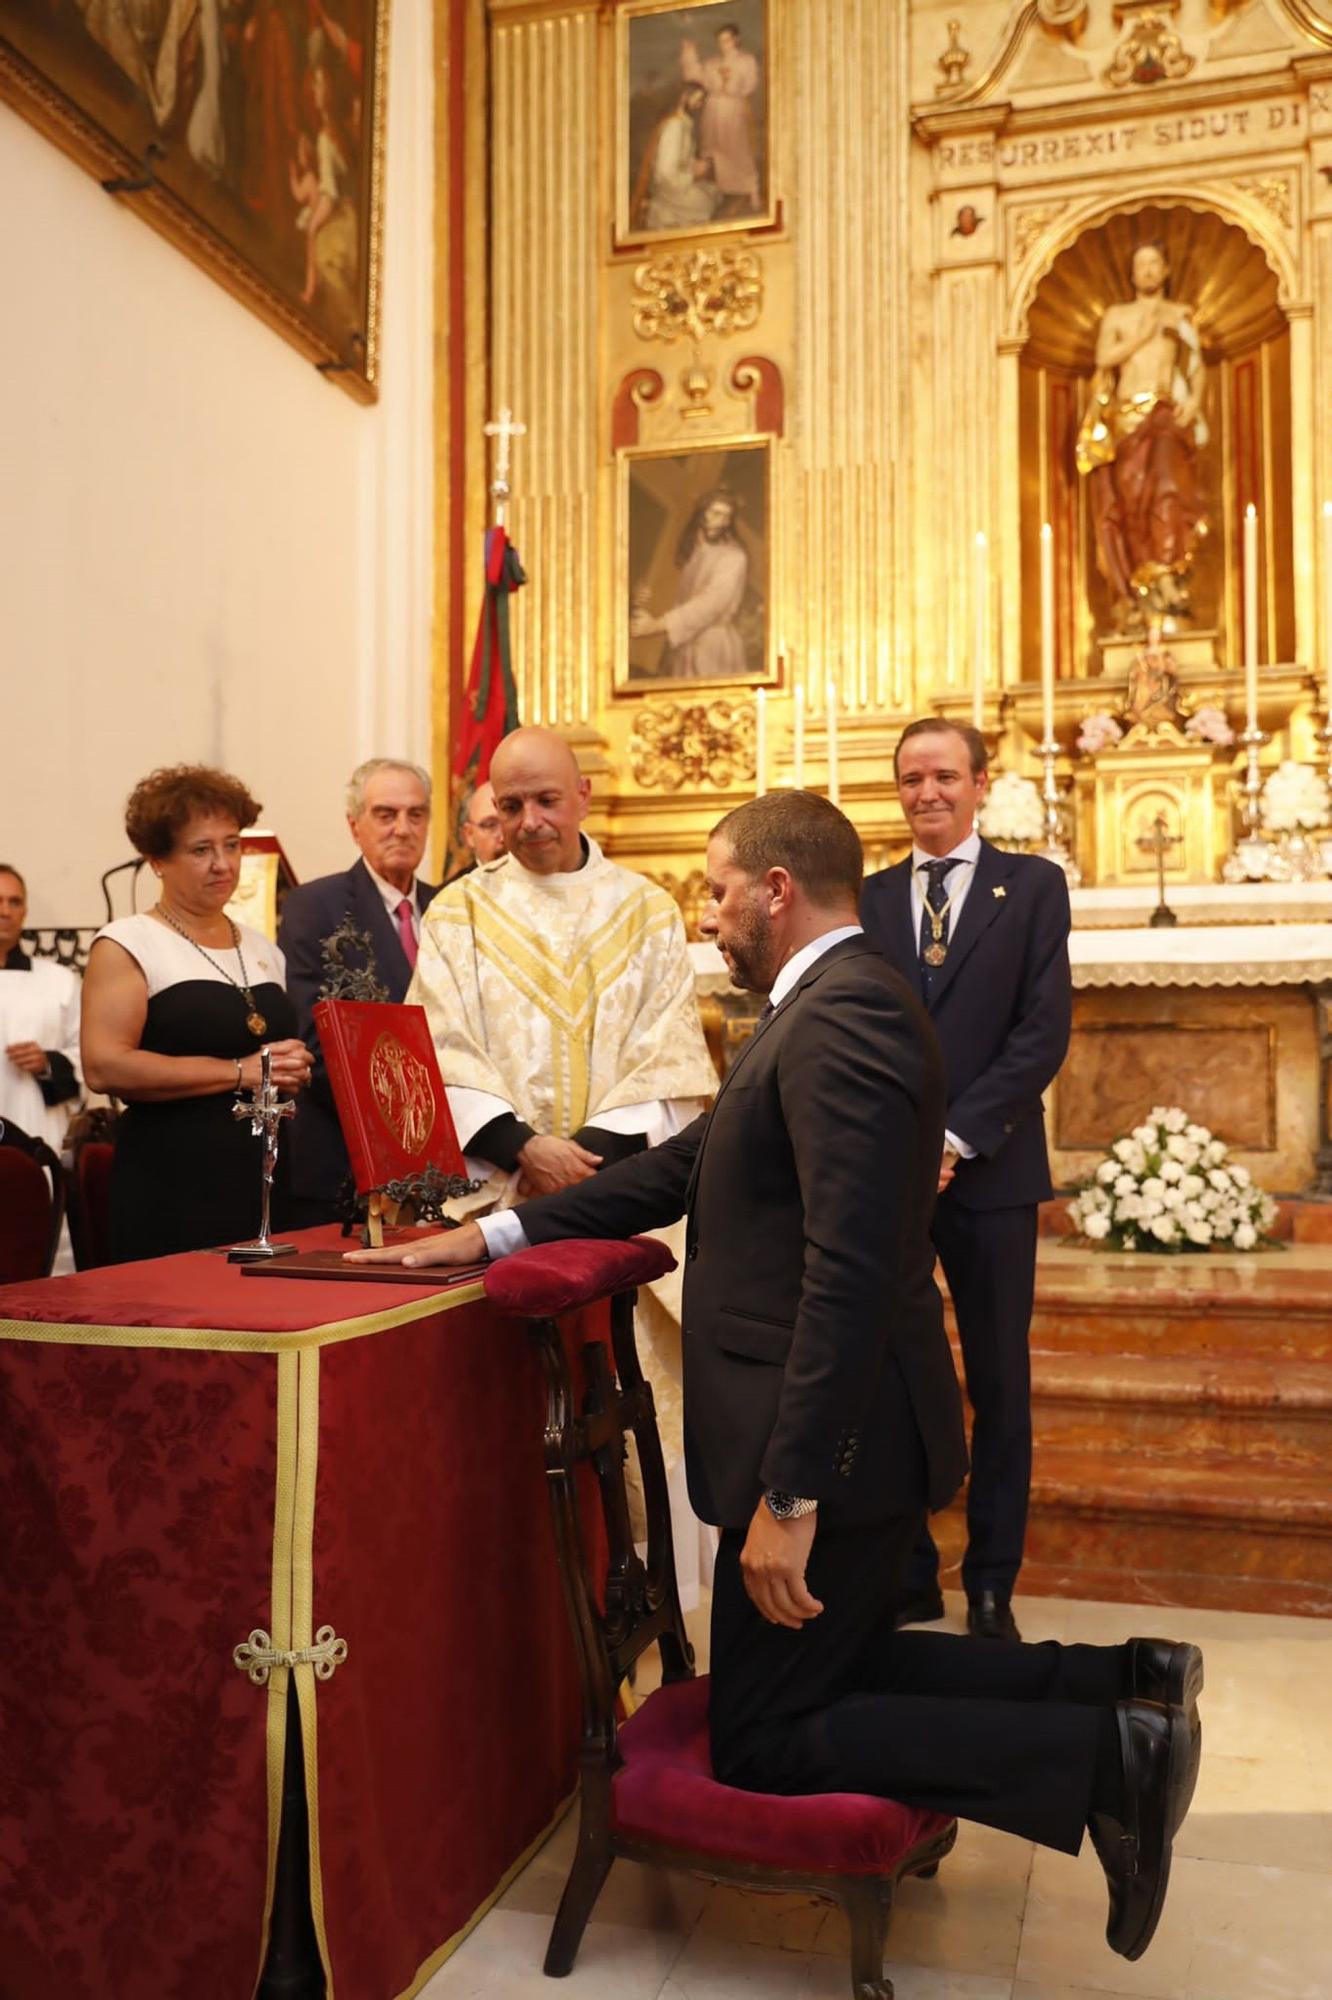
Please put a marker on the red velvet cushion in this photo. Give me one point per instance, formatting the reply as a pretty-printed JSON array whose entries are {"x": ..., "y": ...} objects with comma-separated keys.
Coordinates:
[
  {"x": 25, "y": 1217},
  {"x": 666, "y": 1793},
  {"x": 553, "y": 1278}
]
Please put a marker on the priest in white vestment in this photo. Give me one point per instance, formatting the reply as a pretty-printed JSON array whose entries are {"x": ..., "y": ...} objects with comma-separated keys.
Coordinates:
[
  {"x": 561, "y": 1001},
  {"x": 40, "y": 1077}
]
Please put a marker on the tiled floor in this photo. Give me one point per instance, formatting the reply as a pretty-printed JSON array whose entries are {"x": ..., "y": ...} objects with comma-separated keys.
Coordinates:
[{"x": 1249, "y": 1915}]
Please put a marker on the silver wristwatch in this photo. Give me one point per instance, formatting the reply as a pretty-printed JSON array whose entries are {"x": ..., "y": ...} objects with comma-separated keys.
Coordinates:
[{"x": 786, "y": 1506}]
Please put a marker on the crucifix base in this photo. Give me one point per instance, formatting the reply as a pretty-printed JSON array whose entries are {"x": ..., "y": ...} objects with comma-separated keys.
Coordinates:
[{"x": 254, "y": 1253}]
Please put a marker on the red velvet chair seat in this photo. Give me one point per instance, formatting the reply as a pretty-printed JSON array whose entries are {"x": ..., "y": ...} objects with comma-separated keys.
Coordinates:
[
  {"x": 554, "y": 1278},
  {"x": 665, "y": 1793}
]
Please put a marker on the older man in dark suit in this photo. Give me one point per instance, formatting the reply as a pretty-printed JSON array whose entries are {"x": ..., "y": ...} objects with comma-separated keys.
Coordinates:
[
  {"x": 982, "y": 938},
  {"x": 821, "y": 1410},
  {"x": 382, "y": 898}
]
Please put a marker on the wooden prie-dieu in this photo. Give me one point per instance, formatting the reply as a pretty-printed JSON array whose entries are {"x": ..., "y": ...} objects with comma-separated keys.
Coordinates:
[{"x": 648, "y": 1793}]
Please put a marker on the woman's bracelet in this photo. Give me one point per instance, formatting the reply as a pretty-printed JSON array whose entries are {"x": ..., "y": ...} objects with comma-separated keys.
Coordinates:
[{"x": 240, "y": 1081}]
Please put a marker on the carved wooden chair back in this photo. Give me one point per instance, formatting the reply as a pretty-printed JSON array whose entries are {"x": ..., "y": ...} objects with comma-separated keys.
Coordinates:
[{"x": 637, "y": 1605}]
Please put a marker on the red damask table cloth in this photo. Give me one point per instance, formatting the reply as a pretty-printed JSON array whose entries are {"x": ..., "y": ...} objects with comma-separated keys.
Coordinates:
[{"x": 187, "y": 1458}]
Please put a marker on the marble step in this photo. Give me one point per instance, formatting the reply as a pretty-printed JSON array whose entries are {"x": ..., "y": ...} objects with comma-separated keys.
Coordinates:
[
  {"x": 1212, "y": 1531},
  {"x": 1264, "y": 1413},
  {"x": 1236, "y": 1537},
  {"x": 1270, "y": 1306}
]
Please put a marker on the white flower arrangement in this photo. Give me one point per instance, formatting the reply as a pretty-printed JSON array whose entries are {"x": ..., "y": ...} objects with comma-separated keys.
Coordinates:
[
  {"x": 1168, "y": 1186},
  {"x": 1209, "y": 725},
  {"x": 1099, "y": 732},
  {"x": 1295, "y": 797},
  {"x": 1012, "y": 809}
]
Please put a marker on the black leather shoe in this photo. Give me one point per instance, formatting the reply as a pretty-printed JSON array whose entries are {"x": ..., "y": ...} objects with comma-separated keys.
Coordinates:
[
  {"x": 1160, "y": 1670},
  {"x": 990, "y": 1616},
  {"x": 1135, "y": 1850},
  {"x": 921, "y": 1609},
  {"x": 1172, "y": 1674}
]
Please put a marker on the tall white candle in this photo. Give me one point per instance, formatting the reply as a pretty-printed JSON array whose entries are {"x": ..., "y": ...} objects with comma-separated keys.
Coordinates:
[
  {"x": 1327, "y": 610},
  {"x": 1251, "y": 614},
  {"x": 760, "y": 743},
  {"x": 798, "y": 739},
  {"x": 834, "y": 776},
  {"x": 982, "y": 595},
  {"x": 1047, "y": 633}
]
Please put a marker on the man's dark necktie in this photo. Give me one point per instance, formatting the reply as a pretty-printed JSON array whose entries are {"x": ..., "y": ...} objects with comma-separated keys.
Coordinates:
[{"x": 936, "y": 899}]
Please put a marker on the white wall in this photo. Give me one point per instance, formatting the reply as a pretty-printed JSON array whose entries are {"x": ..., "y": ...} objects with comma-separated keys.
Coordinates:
[{"x": 206, "y": 551}]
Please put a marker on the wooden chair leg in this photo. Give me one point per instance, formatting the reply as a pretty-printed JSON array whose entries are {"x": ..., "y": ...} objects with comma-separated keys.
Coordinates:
[
  {"x": 868, "y": 1905},
  {"x": 590, "y": 1868}
]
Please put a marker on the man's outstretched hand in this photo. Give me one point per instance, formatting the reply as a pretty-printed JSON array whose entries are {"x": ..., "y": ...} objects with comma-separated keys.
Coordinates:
[
  {"x": 773, "y": 1562},
  {"x": 454, "y": 1246}
]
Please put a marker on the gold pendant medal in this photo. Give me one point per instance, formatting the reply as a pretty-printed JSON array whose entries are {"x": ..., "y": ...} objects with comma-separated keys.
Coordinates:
[
  {"x": 256, "y": 1023},
  {"x": 936, "y": 953}
]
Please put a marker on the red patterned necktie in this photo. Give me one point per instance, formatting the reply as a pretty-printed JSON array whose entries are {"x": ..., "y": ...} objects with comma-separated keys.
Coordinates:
[{"x": 405, "y": 931}]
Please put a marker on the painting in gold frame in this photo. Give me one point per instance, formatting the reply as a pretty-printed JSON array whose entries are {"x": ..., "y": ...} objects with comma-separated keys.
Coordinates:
[
  {"x": 251, "y": 136},
  {"x": 695, "y": 534},
  {"x": 693, "y": 150}
]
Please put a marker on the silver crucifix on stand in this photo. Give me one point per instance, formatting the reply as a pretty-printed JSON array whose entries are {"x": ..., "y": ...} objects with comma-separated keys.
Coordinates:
[
  {"x": 506, "y": 430},
  {"x": 265, "y": 1110}
]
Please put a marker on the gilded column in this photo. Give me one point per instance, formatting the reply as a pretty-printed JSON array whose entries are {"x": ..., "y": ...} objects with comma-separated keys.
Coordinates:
[
  {"x": 544, "y": 341},
  {"x": 846, "y": 507}
]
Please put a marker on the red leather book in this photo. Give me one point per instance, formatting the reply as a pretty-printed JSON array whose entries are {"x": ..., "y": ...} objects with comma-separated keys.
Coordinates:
[{"x": 388, "y": 1090}]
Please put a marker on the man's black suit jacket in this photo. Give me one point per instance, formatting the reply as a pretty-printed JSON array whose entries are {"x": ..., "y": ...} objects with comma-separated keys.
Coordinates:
[
  {"x": 1002, "y": 1007},
  {"x": 814, "y": 1353},
  {"x": 310, "y": 914}
]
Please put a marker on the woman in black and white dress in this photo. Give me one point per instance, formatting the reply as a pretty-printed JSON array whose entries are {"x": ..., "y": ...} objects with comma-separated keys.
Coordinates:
[{"x": 178, "y": 1002}]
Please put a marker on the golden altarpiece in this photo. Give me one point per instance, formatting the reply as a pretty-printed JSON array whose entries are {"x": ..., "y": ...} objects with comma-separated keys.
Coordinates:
[{"x": 832, "y": 284}]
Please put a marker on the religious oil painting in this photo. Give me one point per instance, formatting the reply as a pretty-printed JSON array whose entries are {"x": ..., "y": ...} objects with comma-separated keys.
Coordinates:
[
  {"x": 694, "y": 142},
  {"x": 695, "y": 531},
  {"x": 249, "y": 132}
]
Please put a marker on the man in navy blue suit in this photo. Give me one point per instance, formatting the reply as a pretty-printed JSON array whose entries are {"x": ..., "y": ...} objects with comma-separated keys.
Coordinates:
[
  {"x": 983, "y": 938},
  {"x": 381, "y": 896}
]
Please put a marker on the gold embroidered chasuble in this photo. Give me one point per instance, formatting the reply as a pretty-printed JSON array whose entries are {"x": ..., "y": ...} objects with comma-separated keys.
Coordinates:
[{"x": 567, "y": 996}]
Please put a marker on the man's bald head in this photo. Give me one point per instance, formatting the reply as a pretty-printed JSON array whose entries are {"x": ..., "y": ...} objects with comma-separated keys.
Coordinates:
[{"x": 542, "y": 799}]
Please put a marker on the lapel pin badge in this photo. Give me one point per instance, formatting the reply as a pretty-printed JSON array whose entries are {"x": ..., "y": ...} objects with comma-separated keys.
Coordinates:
[{"x": 1000, "y": 892}]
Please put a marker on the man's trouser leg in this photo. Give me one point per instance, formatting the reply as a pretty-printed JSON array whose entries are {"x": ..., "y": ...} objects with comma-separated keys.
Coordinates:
[
  {"x": 989, "y": 1260},
  {"x": 1007, "y": 1735}
]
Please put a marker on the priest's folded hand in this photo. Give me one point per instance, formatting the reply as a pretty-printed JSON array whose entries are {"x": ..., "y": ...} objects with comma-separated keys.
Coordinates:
[
  {"x": 548, "y": 1164},
  {"x": 454, "y": 1246}
]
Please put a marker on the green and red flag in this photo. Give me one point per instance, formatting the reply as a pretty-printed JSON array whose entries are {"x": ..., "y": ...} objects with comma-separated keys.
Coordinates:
[{"x": 490, "y": 702}]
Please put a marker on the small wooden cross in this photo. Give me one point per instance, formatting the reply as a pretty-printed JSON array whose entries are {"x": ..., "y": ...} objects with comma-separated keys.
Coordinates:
[
  {"x": 1157, "y": 842},
  {"x": 505, "y": 429}
]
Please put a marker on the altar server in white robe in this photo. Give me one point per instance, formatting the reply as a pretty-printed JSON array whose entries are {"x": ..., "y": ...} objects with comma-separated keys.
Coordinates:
[
  {"x": 561, "y": 1001},
  {"x": 40, "y": 1077}
]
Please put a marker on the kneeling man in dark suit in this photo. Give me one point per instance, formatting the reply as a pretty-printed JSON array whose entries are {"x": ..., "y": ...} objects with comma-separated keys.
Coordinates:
[{"x": 822, "y": 1414}]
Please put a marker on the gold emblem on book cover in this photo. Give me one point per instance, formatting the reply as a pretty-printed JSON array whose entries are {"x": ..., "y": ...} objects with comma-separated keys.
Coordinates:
[{"x": 404, "y": 1097}]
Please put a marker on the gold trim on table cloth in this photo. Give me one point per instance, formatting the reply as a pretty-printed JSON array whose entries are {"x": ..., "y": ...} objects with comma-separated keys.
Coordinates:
[
  {"x": 231, "y": 1340},
  {"x": 302, "y": 1626},
  {"x": 279, "y": 1624}
]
